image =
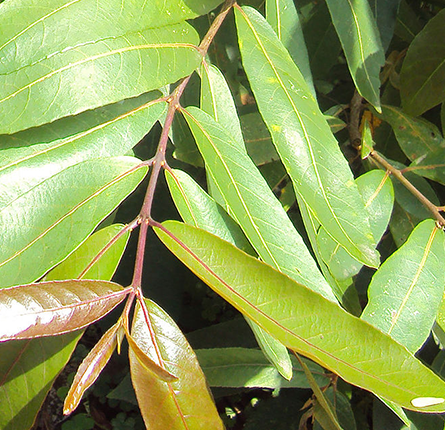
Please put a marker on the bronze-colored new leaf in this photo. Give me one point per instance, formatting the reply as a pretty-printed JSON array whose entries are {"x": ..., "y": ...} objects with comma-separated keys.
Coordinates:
[
  {"x": 179, "y": 405},
  {"x": 56, "y": 307}
]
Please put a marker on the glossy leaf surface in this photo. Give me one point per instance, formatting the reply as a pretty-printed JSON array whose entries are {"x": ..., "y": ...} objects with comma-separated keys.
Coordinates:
[
  {"x": 183, "y": 404},
  {"x": 246, "y": 367},
  {"x": 55, "y": 307},
  {"x": 91, "y": 367},
  {"x": 307, "y": 147},
  {"x": 41, "y": 220},
  {"x": 422, "y": 79},
  {"x": 378, "y": 195},
  {"x": 27, "y": 370},
  {"x": 416, "y": 136},
  {"x": 253, "y": 204},
  {"x": 76, "y": 79},
  {"x": 305, "y": 321},
  {"x": 405, "y": 306},
  {"x": 197, "y": 208},
  {"x": 283, "y": 17},
  {"x": 30, "y": 366},
  {"x": 359, "y": 36}
]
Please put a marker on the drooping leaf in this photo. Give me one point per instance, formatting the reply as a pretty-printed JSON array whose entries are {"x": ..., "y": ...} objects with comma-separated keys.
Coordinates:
[
  {"x": 378, "y": 195},
  {"x": 283, "y": 17},
  {"x": 253, "y": 204},
  {"x": 416, "y": 136},
  {"x": 28, "y": 368},
  {"x": 422, "y": 78},
  {"x": 357, "y": 30},
  {"x": 95, "y": 74},
  {"x": 247, "y": 367},
  {"x": 305, "y": 321},
  {"x": 91, "y": 367},
  {"x": 38, "y": 236},
  {"x": 405, "y": 305},
  {"x": 55, "y": 307},
  {"x": 183, "y": 404},
  {"x": 198, "y": 209},
  {"x": 104, "y": 267},
  {"x": 307, "y": 147}
]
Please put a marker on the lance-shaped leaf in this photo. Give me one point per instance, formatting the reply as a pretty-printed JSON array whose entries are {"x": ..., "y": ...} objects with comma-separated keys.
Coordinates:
[
  {"x": 431, "y": 166},
  {"x": 376, "y": 189},
  {"x": 29, "y": 367},
  {"x": 37, "y": 236},
  {"x": 27, "y": 370},
  {"x": 422, "y": 78},
  {"x": 32, "y": 156},
  {"x": 197, "y": 208},
  {"x": 55, "y": 307},
  {"x": 92, "y": 366},
  {"x": 357, "y": 30},
  {"x": 183, "y": 404},
  {"x": 405, "y": 305},
  {"x": 247, "y": 367},
  {"x": 253, "y": 204},
  {"x": 95, "y": 74},
  {"x": 416, "y": 136},
  {"x": 283, "y": 17},
  {"x": 305, "y": 321},
  {"x": 385, "y": 12},
  {"x": 307, "y": 147}
]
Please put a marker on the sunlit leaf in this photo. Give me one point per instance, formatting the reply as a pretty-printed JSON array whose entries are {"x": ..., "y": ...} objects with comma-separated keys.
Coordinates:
[
  {"x": 306, "y": 145},
  {"x": 247, "y": 367},
  {"x": 253, "y": 204},
  {"x": 431, "y": 166},
  {"x": 37, "y": 236},
  {"x": 357, "y": 30},
  {"x": 305, "y": 321},
  {"x": 378, "y": 195},
  {"x": 422, "y": 78},
  {"x": 283, "y": 17},
  {"x": 183, "y": 404},
  {"x": 55, "y": 307},
  {"x": 405, "y": 305},
  {"x": 28, "y": 368},
  {"x": 198, "y": 209},
  {"x": 94, "y": 74},
  {"x": 91, "y": 367}
]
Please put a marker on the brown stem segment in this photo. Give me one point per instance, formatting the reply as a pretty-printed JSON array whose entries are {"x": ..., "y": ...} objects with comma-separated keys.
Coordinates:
[{"x": 375, "y": 156}]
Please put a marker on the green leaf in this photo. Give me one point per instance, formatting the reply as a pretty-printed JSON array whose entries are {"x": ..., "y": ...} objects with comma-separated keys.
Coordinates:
[
  {"x": 405, "y": 305},
  {"x": 79, "y": 260},
  {"x": 197, "y": 208},
  {"x": 367, "y": 141},
  {"x": 356, "y": 27},
  {"x": 377, "y": 192},
  {"x": 94, "y": 74},
  {"x": 247, "y": 367},
  {"x": 37, "y": 236},
  {"x": 416, "y": 136},
  {"x": 91, "y": 367},
  {"x": 408, "y": 22},
  {"x": 402, "y": 224},
  {"x": 183, "y": 404},
  {"x": 305, "y": 321},
  {"x": 385, "y": 12},
  {"x": 431, "y": 166},
  {"x": 28, "y": 368},
  {"x": 308, "y": 149},
  {"x": 253, "y": 204},
  {"x": 283, "y": 18},
  {"x": 55, "y": 307},
  {"x": 422, "y": 78}
]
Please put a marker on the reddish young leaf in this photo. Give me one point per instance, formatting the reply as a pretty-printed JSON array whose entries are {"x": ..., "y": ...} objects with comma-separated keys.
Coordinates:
[
  {"x": 91, "y": 367},
  {"x": 56, "y": 307},
  {"x": 179, "y": 405}
]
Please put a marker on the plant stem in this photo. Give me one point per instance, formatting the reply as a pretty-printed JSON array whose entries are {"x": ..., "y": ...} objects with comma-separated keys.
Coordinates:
[{"x": 398, "y": 174}]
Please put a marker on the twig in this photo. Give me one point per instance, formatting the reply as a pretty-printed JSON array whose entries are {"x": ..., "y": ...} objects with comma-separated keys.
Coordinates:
[{"x": 355, "y": 136}]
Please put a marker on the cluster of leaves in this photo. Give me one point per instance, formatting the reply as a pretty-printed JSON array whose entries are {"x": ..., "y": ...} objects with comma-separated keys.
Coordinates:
[{"x": 253, "y": 94}]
